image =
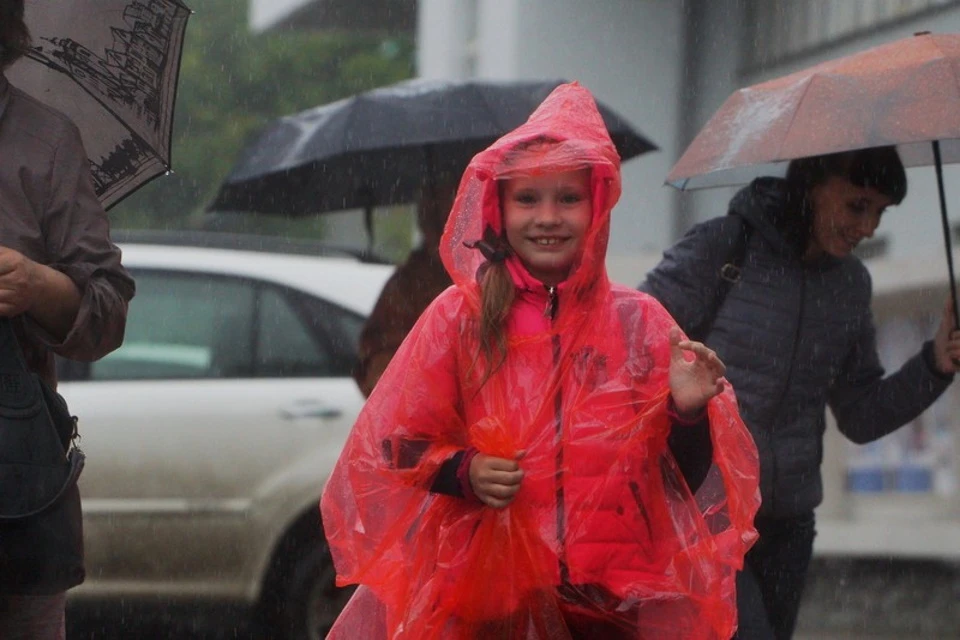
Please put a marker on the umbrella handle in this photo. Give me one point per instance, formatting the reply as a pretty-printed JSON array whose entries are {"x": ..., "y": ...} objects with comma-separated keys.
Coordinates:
[
  {"x": 938, "y": 164},
  {"x": 368, "y": 226}
]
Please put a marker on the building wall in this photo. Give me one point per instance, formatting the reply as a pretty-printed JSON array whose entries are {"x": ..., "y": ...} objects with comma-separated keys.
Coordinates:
[{"x": 264, "y": 14}]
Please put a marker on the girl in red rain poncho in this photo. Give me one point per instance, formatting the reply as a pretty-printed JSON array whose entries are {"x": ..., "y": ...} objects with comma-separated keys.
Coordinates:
[{"x": 510, "y": 476}]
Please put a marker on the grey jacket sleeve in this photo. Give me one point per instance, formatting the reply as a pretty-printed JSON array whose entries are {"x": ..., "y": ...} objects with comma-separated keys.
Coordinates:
[
  {"x": 685, "y": 281},
  {"x": 77, "y": 237},
  {"x": 868, "y": 406}
]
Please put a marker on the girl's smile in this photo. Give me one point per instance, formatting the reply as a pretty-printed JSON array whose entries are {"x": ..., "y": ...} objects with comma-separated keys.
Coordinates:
[{"x": 546, "y": 219}]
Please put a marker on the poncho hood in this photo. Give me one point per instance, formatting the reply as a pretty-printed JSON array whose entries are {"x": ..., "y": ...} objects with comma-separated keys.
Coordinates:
[{"x": 565, "y": 133}]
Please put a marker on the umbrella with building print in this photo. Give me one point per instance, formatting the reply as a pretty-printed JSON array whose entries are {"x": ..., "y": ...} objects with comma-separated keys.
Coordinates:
[
  {"x": 904, "y": 93},
  {"x": 111, "y": 66}
]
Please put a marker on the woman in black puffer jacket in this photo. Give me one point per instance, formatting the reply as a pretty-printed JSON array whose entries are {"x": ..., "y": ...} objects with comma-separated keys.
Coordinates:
[{"x": 796, "y": 333}]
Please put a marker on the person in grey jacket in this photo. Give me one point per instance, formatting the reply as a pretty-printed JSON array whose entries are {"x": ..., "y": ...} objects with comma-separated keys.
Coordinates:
[
  {"x": 796, "y": 333},
  {"x": 61, "y": 283}
]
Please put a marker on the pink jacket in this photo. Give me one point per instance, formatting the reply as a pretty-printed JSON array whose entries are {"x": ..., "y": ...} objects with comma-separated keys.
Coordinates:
[{"x": 602, "y": 507}]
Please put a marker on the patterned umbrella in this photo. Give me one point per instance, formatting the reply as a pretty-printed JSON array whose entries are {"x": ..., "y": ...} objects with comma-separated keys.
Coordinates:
[{"x": 112, "y": 67}]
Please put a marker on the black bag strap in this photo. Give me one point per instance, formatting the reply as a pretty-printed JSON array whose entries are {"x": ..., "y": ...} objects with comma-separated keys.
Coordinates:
[
  {"x": 34, "y": 410},
  {"x": 76, "y": 459},
  {"x": 731, "y": 269},
  {"x": 737, "y": 235},
  {"x": 11, "y": 355}
]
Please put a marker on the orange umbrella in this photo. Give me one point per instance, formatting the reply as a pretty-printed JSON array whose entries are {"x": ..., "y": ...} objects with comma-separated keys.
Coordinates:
[{"x": 905, "y": 93}]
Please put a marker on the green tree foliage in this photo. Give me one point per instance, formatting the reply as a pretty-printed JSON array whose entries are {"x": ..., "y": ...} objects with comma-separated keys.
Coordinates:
[{"x": 232, "y": 83}]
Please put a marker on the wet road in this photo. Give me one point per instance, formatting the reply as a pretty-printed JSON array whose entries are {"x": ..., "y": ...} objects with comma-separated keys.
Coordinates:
[
  {"x": 844, "y": 600},
  {"x": 123, "y": 621}
]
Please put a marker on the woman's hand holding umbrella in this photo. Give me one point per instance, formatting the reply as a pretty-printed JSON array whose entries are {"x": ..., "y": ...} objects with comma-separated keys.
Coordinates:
[{"x": 946, "y": 344}]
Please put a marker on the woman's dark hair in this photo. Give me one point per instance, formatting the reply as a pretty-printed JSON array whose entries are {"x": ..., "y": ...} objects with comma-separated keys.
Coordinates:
[
  {"x": 879, "y": 168},
  {"x": 14, "y": 35}
]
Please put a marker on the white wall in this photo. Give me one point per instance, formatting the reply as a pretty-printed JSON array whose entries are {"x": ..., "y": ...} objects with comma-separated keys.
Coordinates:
[
  {"x": 715, "y": 33},
  {"x": 266, "y": 13},
  {"x": 630, "y": 55},
  {"x": 445, "y": 31}
]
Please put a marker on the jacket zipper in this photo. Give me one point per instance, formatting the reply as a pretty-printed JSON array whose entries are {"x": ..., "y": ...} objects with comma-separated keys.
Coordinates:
[
  {"x": 550, "y": 311},
  {"x": 786, "y": 386}
]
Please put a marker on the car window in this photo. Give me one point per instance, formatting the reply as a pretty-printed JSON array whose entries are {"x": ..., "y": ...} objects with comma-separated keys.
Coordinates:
[
  {"x": 184, "y": 326},
  {"x": 286, "y": 346},
  {"x": 349, "y": 326},
  {"x": 340, "y": 327}
]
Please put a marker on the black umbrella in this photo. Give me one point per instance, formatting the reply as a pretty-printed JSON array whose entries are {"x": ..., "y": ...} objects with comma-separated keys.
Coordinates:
[
  {"x": 381, "y": 147},
  {"x": 112, "y": 67}
]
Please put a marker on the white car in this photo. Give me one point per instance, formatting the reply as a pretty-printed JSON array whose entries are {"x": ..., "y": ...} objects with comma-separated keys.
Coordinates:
[{"x": 210, "y": 433}]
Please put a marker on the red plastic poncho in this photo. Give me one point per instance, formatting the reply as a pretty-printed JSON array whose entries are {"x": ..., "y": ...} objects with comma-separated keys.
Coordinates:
[{"x": 604, "y": 530}]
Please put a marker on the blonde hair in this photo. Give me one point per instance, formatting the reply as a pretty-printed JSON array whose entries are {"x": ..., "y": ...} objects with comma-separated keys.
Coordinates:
[
  {"x": 497, "y": 293},
  {"x": 497, "y": 290}
]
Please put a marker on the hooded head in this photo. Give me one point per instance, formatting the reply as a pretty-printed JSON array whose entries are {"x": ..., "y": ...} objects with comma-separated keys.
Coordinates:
[{"x": 566, "y": 133}]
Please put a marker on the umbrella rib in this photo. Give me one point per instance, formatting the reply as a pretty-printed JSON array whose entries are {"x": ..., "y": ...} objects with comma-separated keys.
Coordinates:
[
  {"x": 133, "y": 191},
  {"x": 168, "y": 126},
  {"x": 956, "y": 80},
  {"x": 793, "y": 118}
]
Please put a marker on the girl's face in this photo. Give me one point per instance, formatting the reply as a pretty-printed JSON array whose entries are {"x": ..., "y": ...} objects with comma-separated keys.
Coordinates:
[
  {"x": 843, "y": 216},
  {"x": 546, "y": 219}
]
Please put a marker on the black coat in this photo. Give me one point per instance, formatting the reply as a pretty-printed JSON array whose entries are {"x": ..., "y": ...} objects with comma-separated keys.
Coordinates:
[{"x": 795, "y": 336}]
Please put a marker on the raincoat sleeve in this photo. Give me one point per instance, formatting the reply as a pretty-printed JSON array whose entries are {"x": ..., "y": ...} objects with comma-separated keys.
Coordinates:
[
  {"x": 712, "y": 543},
  {"x": 686, "y": 280},
  {"x": 691, "y": 448},
  {"x": 868, "y": 406},
  {"x": 405, "y": 296},
  {"x": 382, "y": 334},
  {"x": 77, "y": 237},
  {"x": 409, "y": 427},
  {"x": 716, "y": 451}
]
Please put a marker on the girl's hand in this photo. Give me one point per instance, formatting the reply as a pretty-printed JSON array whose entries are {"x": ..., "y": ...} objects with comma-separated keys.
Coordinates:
[
  {"x": 946, "y": 344},
  {"x": 693, "y": 382},
  {"x": 495, "y": 481}
]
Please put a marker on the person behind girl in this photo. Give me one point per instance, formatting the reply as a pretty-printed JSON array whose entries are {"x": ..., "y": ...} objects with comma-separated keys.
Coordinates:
[{"x": 511, "y": 476}]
